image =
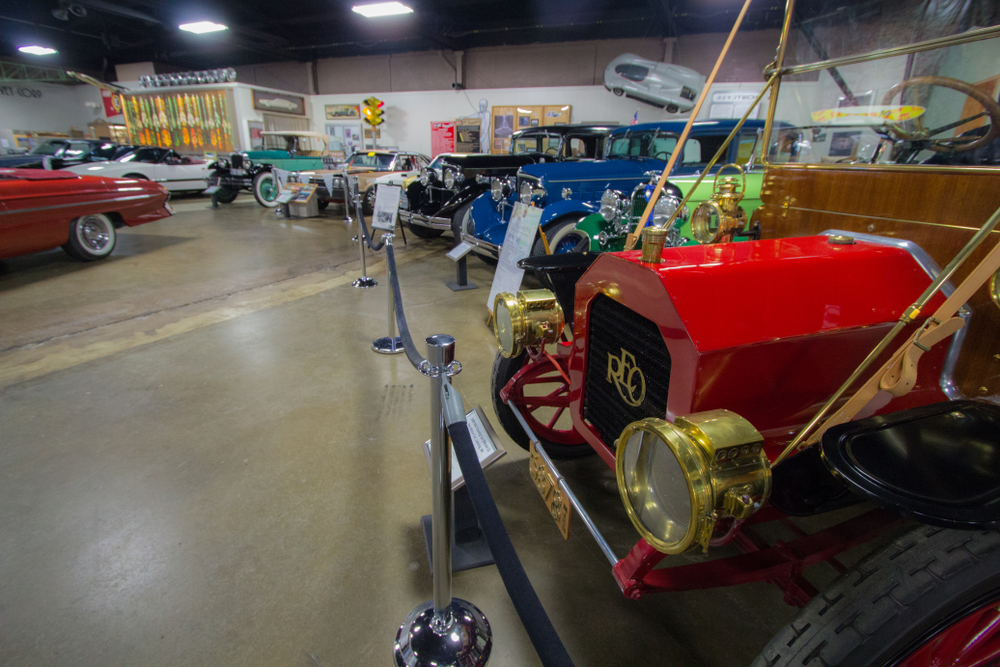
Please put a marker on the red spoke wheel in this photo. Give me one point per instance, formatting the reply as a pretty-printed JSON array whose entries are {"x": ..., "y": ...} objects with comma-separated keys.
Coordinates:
[
  {"x": 538, "y": 388},
  {"x": 928, "y": 599},
  {"x": 973, "y": 641}
]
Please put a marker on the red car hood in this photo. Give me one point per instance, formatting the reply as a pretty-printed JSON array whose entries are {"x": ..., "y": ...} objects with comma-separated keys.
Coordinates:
[{"x": 35, "y": 174}]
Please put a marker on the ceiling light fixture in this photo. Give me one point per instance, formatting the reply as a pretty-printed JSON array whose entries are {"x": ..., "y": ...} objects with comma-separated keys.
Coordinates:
[
  {"x": 201, "y": 27},
  {"x": 37, "y": 50},
  {"x": 382, "y": 9}
]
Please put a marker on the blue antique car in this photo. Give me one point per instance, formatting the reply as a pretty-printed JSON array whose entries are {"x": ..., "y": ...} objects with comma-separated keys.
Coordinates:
[{"x": 570, "y": 191}]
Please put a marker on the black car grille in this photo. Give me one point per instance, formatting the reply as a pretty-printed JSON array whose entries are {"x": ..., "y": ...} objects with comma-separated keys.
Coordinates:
[
  {"x": 629, "y": 341},
  {"x": 687, "y": 93},
  {"x": 236, "y": 161}
]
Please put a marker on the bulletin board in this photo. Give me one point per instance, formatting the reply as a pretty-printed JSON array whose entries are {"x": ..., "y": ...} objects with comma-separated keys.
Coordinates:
[{"x": 505, "y": 120}]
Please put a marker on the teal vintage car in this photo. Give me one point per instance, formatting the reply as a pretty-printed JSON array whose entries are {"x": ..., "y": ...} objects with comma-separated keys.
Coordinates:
[
  {"x": 290, "y": 150},
  {"x": 620, "y": 212}
]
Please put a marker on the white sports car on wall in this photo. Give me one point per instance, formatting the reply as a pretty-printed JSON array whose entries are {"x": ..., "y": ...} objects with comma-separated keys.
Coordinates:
[
  {"x": 162, "y": 165},
  {"x": 672, "y": 87}
]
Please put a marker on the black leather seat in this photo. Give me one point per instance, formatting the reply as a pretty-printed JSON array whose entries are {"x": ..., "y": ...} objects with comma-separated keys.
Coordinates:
[{"x": 938, "y": 464}]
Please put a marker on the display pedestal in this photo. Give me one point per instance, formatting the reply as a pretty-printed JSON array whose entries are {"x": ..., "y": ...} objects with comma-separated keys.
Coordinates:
[
  {"x": 458, "y": 255},
  {"x": 468, "y": 543},
  {"x": 309, "y": 209}
]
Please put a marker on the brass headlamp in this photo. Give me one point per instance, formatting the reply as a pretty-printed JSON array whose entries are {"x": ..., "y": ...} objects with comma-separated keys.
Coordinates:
[
  {"x": 677, "y": 480},
  {"x": 718, "y": 219},
  {"x": 529, "y": 318}
]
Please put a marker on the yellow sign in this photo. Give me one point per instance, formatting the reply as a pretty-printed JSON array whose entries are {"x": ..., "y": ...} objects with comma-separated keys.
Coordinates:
[
  {"x": 867, "y": 115},
  {"x": 627, "y": 378}
]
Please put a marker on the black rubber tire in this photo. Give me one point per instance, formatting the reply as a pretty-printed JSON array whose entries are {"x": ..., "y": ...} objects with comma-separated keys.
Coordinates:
[
  {"x": 424, "y": 232},
  {"x": 136, "y": 177},
  {"x": 618, "y": 91},
  {"x": 672, "y": 108},
  {"x": 226, "y": 194},
  {"x": 91, "y": 237},
  {"x": 504, "y": 369},
  {"x": 883, "y": 609},
  {"x": 257, "y": 180},
  {"x": 368, "y": 201},
  {"x": 550, "y": 231}
]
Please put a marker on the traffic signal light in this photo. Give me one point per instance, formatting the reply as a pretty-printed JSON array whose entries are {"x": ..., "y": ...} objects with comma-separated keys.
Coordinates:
[{"x": 372, "y": 111}]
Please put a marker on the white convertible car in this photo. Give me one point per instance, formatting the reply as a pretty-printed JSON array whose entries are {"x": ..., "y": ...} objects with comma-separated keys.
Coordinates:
[
  {"x": 672, "y": 87},
  {"x": 162, "y": 165}
]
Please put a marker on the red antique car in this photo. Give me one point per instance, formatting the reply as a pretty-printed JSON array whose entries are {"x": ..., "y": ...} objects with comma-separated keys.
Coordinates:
[
  {"x": 737, "y": 387},
  {"x": 47, "y": 209}
]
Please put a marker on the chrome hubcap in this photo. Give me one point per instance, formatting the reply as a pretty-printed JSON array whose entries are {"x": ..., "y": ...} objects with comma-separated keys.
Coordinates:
[{"x": 93, "y": 233}]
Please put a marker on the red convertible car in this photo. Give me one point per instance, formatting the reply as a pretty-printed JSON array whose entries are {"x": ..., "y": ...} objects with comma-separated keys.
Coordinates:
[{"x": 46, "y": 209}]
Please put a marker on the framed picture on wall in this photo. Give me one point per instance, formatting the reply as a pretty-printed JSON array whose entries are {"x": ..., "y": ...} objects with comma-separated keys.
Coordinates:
[
  {"x": 265, "y": 100},
  {"x": 342, "y": 111}
]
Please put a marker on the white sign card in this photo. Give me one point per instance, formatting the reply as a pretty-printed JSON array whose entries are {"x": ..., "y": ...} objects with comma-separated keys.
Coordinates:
[
  {"x": 484, "y": 438},
  {"x": 459, "y": 251},
  {"x": 521, "y": 231},
  {"x": 386, "y": 207}
]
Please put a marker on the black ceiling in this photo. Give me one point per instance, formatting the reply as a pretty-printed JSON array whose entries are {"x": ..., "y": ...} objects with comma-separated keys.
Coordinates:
[{"x": 95, "y": 35}]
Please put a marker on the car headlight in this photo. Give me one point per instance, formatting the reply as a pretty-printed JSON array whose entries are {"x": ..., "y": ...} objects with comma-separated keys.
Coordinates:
[
  {"x": 706, "y": 223},
  {"x": 664, "y": 208},
  {"x": 449, "y": 178},
  {"x": 496, "y": 189},
  {"x": 526, "y": 192},
  {"x": 222, "y": 163},
  {"x": 677, "y": 480},
  {"x": 425, "y": 176},
  {"x": 609, "y": 205},
  {"x": 529, "y": 318}
]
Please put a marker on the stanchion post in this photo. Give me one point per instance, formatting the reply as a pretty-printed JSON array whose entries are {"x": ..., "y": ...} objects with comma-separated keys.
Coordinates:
[
  {"x": 445, "y": 631},
  {"x": 391, "y": 344},
  {"x": 363, "y": 282},
  {"x": 347, "y": 198}
]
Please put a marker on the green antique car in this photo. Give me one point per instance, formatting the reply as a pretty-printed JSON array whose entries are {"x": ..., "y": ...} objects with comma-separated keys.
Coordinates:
[
  {"x": 620, "y": 213},
  {"x": 290, "y": 150}
]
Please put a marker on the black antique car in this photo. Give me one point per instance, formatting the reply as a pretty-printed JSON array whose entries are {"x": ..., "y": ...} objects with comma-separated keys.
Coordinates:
[
  {"x": 60, "y": 153},
  {"x": 444, "y": 190}
]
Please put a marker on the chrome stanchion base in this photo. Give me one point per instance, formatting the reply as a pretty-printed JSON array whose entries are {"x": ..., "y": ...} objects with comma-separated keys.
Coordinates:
[
  {"x": 364, "y": 282},
  {"x": 422, "y": 641},
  {"x": 388, "y": 345}
]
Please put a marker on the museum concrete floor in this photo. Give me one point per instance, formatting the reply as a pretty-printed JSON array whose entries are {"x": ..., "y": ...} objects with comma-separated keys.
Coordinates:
[{"x": 203, "y": 463}]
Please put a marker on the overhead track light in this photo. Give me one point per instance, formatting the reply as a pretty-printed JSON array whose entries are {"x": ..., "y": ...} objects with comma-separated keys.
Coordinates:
[
  {"x": 201, "y": 27},
  {"x": 37, "y": 50},
  {"x": 381, "y": 9}
]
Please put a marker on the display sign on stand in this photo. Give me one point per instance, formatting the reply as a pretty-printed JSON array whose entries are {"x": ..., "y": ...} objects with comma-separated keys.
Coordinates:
[
  {"x": 524, "y": 221},
  {"x": 488, "y": 447},
  {"x": 442, "y": 137},
  {"x": 386, "y": 207}
]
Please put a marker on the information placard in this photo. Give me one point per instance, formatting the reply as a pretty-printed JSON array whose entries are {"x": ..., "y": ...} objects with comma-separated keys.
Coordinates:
[
  {"x": 484, "y": 438},
  {"x": 386, "y": 207},
  {"x": 517, "y": 244},
  {"x": 288, "y": 191}
]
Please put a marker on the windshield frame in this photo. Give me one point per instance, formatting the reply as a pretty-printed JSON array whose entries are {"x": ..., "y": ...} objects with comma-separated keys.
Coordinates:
[{"x": 779, "y": 71}]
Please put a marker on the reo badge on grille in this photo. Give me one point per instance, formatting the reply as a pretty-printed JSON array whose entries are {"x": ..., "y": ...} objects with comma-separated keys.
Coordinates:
[{"x": 627, "y": 378}]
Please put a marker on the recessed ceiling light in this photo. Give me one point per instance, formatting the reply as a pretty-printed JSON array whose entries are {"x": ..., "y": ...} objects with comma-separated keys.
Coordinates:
[
  {"x": 382, "y": 9},
  {"x": 37, "y": 50},
  {"x": 202, "y": 27}
]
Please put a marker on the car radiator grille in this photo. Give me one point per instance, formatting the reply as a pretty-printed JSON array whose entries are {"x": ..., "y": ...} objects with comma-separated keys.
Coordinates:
[
  {"x": 615, "y": 332},
  {"x": 236, "y": 161}
]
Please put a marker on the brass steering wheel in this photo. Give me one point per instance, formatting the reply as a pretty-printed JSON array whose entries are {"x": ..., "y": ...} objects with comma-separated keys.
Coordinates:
[{"x": 992, "y": 109}]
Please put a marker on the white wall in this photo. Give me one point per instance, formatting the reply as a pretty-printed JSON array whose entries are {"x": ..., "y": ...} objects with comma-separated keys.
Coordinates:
[
  {"x": 408, "y": 114},
  {"x": 48, "y": 107}
]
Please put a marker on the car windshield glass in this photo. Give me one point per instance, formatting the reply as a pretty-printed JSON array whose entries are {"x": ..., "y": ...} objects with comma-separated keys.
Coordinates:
[
  {"x": 536, "y": 143},
  {"x": 375, "y": 160},
  {"x": 104, "y": 151},
  {"x": 144, "y": 155},
  {"x": 436, "y": 163},
  {"x": 933, "y": 107},
  {"x": 49, "y": 148},
  {"x": 648, "y": 143}
]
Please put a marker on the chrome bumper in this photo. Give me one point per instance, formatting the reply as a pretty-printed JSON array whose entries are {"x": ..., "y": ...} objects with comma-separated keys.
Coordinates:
[
  {"x": 481, "y": 247},
  {"x": 421, "y": 220}
]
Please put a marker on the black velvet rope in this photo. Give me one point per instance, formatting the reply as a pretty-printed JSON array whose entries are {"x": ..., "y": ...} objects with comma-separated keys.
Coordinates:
[
  {"x": 529, "y": 608},
  {"x": 397, "y": 299},
  {"x": 367, "y": 237}
]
